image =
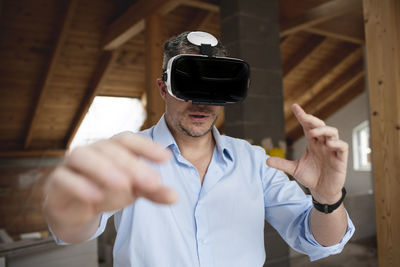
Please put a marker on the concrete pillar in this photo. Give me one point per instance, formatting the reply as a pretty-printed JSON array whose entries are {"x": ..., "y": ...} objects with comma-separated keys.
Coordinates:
[{"x": 250, "y": 31}]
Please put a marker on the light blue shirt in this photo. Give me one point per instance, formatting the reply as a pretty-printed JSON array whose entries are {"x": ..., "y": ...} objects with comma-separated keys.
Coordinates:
[{"x": 219, "y": 223}]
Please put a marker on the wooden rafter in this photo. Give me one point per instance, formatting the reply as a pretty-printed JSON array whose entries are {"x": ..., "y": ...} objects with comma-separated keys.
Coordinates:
[
  {"x": 303, "y": 52},
  {"x": 319, "y": 85},
  {"x": 348, "y": 28},
  {"x": 44, "y": 84},
  {"x": 98, "y": 80},
  {"x": 342, "y": 99},
  {"x": 200, "y": 20},
  {"x": 318, "y": 15},
  {"x": 324, "y": 112},
  {"x": 32, "y": 153},
  {"x": 201, "y": 5},
  {"x": 345, "y": 51},
  {"x": 132, "y": 21},
  {"x": 353, "y": 75}
]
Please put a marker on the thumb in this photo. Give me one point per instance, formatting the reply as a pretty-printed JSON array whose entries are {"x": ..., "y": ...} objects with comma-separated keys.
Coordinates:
[{"x": 285, "y": 165}]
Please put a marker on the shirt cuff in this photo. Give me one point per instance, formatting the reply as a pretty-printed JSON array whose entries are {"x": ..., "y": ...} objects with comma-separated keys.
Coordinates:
[
  {"x": 323, "y": 251},
  {"x": 102, "y": 225}
]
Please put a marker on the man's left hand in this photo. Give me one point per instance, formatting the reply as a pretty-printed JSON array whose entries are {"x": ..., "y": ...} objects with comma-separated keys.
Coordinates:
[{"x": 323, "y": 166}]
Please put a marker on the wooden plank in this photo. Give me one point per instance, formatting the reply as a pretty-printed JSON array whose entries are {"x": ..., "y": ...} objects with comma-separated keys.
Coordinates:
[
  {"x": 382, "y": 32},
  {"x": 294, "y": 8},
  {"x": 201, "y": 5},
  {"x": 318, "y": 15},
  {"x": 132, "y": 21},
  {"x": 108, "y": 58},
  {"x": 44, "y": 84},
  {"x": 348, "y": 28},
  {"x": 304, "y": 51},
  {"x": 198, "y": 22},
  {"x": 154, "y": 57},
  {"x": 328, "y": 110},
  {"x": 344, "y": 51},
  {"x": 354, "y": 58},
  {"x": 346, "y": 80},
  {"x": 58, "y": 153}
]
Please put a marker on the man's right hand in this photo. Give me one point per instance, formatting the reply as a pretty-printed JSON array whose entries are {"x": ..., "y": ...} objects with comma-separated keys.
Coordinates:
[{"x": 104, "y": 176}]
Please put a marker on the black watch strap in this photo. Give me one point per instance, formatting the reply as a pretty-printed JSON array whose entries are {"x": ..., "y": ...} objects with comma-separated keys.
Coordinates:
[{"x": 325, "y": 208}]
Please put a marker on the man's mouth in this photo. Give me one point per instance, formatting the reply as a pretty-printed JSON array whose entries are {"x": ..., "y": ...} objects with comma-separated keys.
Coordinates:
[{"x": 198, "y": 116}]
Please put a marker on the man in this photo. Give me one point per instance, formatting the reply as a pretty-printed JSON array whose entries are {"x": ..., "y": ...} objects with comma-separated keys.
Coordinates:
[{"x": 222, "y": 189}]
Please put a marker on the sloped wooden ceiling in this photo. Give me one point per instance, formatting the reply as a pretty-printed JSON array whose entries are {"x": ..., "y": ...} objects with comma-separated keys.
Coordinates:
[{"x": 57, "y": 55}]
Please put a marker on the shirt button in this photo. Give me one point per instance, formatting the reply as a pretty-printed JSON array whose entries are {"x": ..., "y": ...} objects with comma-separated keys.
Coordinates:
[{"x": 203, "y": 241}]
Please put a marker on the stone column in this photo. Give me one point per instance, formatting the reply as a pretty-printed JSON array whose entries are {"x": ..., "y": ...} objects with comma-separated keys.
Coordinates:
[{"x": 250, "y": 31}]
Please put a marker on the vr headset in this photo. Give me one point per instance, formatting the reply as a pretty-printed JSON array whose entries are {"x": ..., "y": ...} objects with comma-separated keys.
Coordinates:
[{"x": 205, "y": 79}]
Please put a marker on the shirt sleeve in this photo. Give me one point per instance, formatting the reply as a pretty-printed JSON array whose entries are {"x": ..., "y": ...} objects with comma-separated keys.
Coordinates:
[
  {"x": 288, "y": 208},
  {"x": 102, "y": 226}
]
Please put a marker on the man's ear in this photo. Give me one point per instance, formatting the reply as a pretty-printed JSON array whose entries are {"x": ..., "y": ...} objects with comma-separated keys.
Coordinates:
[{"x": 162, "y": 87}]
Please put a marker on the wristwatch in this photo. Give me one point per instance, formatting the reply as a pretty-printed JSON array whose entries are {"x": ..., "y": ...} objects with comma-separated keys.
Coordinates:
[{"x": 326, "y": 208}]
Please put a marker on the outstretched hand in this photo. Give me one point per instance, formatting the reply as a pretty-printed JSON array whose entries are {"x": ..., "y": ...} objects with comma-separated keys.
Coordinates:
[{"x": 323, "y": 166}]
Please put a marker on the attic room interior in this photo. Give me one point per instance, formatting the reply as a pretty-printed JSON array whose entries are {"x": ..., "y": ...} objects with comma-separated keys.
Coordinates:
[{"x": 76, "y": 71}]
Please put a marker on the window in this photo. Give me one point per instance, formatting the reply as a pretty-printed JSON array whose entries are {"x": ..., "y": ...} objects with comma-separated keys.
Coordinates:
[
  {"x": 361, "y": 147},
  {"x": 108, "y": 116}
]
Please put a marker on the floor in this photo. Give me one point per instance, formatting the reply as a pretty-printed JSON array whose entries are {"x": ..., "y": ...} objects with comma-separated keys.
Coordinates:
[{"x": 355, "y": 254}]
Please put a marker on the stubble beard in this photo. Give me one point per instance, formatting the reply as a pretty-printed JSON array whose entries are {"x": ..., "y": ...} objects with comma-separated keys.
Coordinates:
[{"x": 192, "y": 133}]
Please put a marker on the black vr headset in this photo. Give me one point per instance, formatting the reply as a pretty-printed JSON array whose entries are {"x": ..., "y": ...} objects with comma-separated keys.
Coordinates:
[{"x": 205, "y": 79}]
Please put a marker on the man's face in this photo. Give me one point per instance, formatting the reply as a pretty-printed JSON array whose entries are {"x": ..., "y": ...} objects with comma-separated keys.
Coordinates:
[{"x": 186, "y": 118}]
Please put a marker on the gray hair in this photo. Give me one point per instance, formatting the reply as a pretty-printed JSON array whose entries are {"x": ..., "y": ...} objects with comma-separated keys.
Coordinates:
[{"x": 180, "y": 45}]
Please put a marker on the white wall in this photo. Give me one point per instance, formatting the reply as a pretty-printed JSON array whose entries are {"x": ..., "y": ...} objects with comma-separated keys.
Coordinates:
[{"x": 348, "y": 117}]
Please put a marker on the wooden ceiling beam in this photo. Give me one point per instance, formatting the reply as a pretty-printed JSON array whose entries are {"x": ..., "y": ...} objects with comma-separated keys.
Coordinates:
[
  {"x": 155, "y": 105},
  {"x": 48, "y": 73},
  {"x": 353, "y": 75},
  {"x": 320, "y": 83},
  {"x": 348, "y": 28},
  {"x": 330, "y": 109},
  {"x": 132, "y": 21},
  {"x": 201, "y": 5},
  {"x": 292, "y": 95},
  {"x": 57, "y": 153},
  {"x": 304, "y": 51},
  {"x": 342, "y": 99},
  {"x": 198, "y": 22},
  {"x": 97, "y": 82},
  {"x": 318, "y": 15}
]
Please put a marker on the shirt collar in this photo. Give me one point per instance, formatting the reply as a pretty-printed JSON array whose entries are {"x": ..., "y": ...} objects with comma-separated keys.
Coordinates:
[
  {"x": 221, "y": 144},
  {"x": 163, "y": 136}
]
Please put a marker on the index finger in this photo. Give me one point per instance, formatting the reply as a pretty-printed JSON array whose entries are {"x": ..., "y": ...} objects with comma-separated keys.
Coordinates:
[
  {"x": 143, "y": 146},
  {"x": 307, "y": 121}
]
